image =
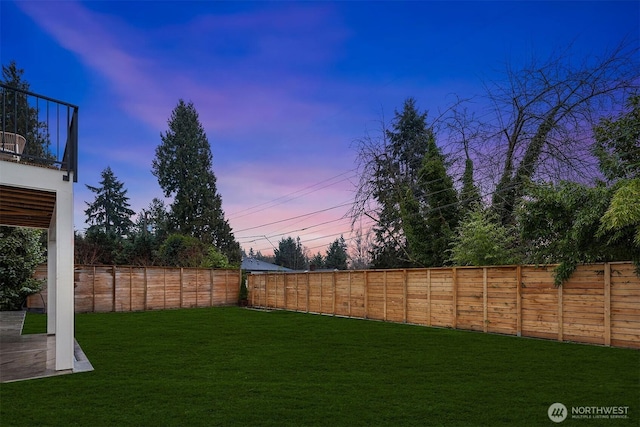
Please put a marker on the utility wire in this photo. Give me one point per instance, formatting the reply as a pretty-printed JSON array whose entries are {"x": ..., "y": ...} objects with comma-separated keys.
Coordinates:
[
  {"x": 286, "y": 198},
  {"x": 295, "y": 217}
]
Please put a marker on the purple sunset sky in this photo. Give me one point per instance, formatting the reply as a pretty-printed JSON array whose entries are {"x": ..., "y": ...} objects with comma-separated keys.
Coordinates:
[{"x": 282, "y": 88}]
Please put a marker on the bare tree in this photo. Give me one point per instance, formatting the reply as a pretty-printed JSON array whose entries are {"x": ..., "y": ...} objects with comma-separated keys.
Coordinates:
[
  {"x": 544, "y": 116},
  {"x": 360, "y": 250}
]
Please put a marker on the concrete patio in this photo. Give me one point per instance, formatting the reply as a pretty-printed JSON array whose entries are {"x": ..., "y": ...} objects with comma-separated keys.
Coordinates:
[{"x": 24, "y": 357}]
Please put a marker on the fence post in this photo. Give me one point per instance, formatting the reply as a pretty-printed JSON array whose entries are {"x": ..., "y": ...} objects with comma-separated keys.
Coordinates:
[
  {"x": 181, "y": 286},
  {"x": 197, "y": 271},
  {"x": 485, "y": 318},
  {"x": 145, "y": 288},
  {"x": 607, "y": 304},
  {"x": 93, "y": 290},
  {"x": 384, "y": 292},
  {"x": 454, "y": 283},
  {"x": 113, "y": 283},
  {"x": 366, "y": 294},
  {"x": 320, "y": 309},
  {"x": 429, "y": 297},
  {"x": 296, "y": 292},
  {"x": 211, "y": 287},
  {"x": 266, "y": 290},
  {"x": 285, "y": 280},
  {"x": 560, "y": 317},
  {"x": 404, "y": 294},
  {"x": 333, "y": 283},
  {"x": 226, "y": 286},
  {"x": 518, "y": 301},
  {"x": 349, "y": 296},
  {"x": 307, "y": 275}
]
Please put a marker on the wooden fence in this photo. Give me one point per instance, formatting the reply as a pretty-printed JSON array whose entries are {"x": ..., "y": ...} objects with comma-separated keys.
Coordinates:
[
  {"x": 116, "y": 288},
  {"x": 600, "y": 304}
]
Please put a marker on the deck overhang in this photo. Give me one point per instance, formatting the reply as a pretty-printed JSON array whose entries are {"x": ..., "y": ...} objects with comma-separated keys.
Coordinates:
[{"x": 26, "y": 207}]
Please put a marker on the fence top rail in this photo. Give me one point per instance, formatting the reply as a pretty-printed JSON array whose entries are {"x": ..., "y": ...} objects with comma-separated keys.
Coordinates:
[
  {"x": 149, "y": 267},
  {"x": 460, "y": 267}
]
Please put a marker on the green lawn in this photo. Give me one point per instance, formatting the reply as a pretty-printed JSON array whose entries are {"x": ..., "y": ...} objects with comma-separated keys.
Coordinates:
[{"x": 231, "y": 366}]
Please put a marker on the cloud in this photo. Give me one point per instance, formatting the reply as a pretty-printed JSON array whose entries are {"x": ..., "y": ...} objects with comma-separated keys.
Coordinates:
[
  {"x": 257, "y": 78},
  {"x": 233, "y": 64}
]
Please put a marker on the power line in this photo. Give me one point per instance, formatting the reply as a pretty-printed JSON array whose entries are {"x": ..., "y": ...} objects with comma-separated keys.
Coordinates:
[
  {"x": 296, "y": 217},
  {"x": 284, "y": 199}
]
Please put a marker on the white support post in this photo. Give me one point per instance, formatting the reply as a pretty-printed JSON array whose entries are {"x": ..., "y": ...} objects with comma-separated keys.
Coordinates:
[
  {"x": 51, "y": 277},
  {"x": 64, "y": 295}
]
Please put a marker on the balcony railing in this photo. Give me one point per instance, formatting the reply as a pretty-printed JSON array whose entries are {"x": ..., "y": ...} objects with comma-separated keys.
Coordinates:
[{"x": 38, "y": 130}]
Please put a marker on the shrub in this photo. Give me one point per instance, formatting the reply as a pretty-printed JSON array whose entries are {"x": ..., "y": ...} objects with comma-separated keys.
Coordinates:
[{"x": 20, "y": 253}]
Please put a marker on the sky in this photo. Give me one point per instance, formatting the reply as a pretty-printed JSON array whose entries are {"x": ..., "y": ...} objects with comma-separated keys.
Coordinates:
[{"x": 282, "y": 89}]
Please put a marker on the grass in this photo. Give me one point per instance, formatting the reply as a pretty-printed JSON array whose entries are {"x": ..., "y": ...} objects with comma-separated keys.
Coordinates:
[{"x": 231, "y": 366}]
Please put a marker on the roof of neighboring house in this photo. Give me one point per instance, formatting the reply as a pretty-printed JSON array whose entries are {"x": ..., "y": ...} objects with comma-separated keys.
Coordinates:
[{"x": 256, "y": 265}]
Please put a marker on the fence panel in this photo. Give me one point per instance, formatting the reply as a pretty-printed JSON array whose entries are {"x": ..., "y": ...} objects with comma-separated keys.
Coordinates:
[
  {"x": 502, "y": 300},
  {"x": 117, "y": 288},
  {"x": 624, "y": 306},
  {"x": 599, "y": 304}
]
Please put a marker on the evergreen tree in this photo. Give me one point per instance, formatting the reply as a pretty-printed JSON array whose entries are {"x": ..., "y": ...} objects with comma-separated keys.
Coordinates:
[
  {"x": 481, "y": 239},
  {"x": 337, "y": 255},
  {"x": 183, "y": 166},
  {"x": 21, "y": 118},
  {"x": 430, "y": 216},
  {"x": 469, "y": 194},
  {"x": 396, "y": 168},
  {"x": 416, "y": 194},
  {"x": 290, "y": 254},
  {"x": 317, "y": 261},
  {"x": 109, "y": 213}
]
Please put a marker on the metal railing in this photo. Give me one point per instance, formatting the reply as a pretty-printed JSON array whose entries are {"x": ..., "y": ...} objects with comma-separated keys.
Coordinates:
[{"x": 38, "y": 130}]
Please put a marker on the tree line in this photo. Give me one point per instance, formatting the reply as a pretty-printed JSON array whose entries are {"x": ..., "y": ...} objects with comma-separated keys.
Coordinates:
[
  {"x": 559, "y": 160},
  {"x": 548, "y": 173},
  {"x": 191, "y": 232}
]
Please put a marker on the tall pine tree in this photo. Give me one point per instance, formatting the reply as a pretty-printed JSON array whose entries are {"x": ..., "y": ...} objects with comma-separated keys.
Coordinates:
[
  {"x": 290, "y": 254},
  {"x": 109, "y": 213},
  {"x": 416, "y": 197},
  {"x": 397, "y": 170},
  {"x": 183, "y": 166},
  {"x": 337, "y": 255},
  {"x": 430, "y": 214}
]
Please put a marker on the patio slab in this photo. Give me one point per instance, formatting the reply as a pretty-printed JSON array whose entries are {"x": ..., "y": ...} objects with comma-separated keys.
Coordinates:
[{"x": 24, "y": 357}]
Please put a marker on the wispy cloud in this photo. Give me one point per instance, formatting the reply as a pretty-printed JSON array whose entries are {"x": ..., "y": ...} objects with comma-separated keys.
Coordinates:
[{"x": 233, "y": 65}]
